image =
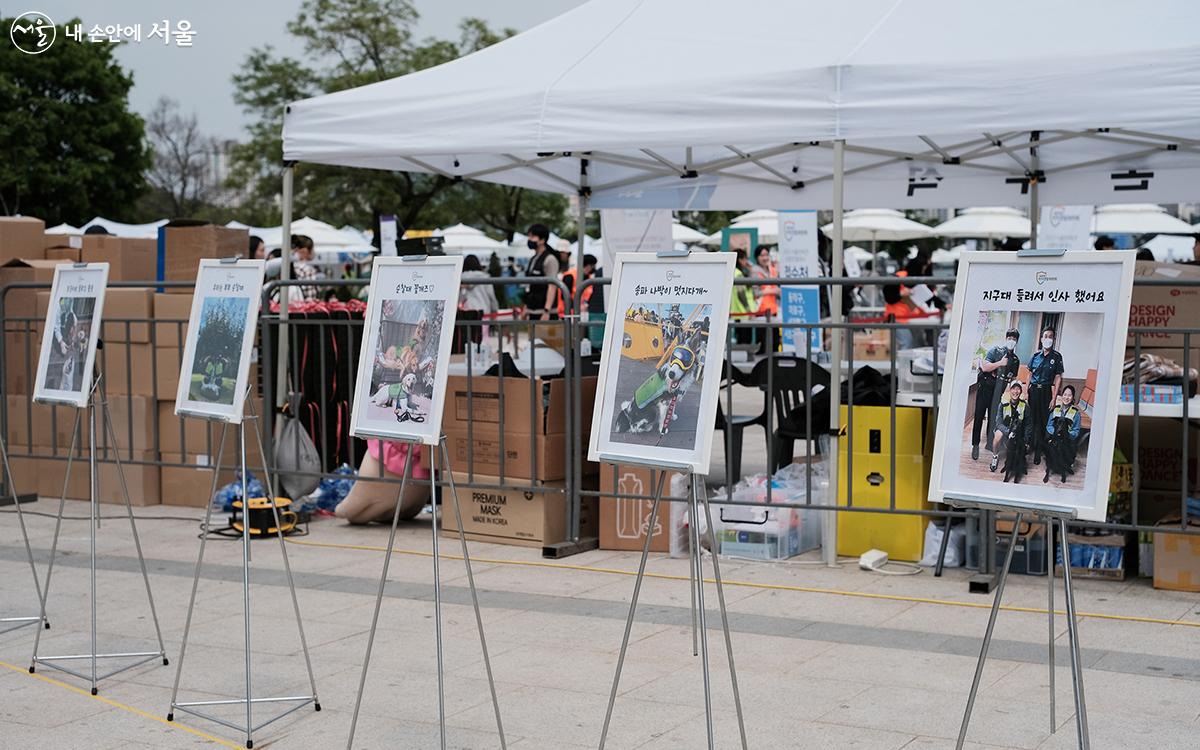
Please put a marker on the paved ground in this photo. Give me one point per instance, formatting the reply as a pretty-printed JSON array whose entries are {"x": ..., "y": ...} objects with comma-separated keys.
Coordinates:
[{"x": 827, "y": 658}]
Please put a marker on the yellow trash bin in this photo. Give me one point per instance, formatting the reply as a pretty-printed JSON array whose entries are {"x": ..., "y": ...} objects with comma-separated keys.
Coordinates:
[{"x": 864, "y": 456}]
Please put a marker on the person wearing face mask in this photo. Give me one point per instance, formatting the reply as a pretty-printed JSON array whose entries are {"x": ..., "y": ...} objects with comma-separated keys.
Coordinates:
[
  {"x": 998, "y": 360},
  {"x": 1045, "y": 378},
  {"x": 541, "y": 300}
]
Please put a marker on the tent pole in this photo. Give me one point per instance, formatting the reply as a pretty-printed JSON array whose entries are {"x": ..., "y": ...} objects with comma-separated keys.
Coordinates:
[
  {"x": 830, "y": 522},
  {"x": 1034, "y": 208},
  {"x": 285, "y": 273}
]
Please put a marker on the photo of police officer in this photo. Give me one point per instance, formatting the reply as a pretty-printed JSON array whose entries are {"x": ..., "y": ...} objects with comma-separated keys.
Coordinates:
[
  {"x": 1045, "y": 378},
  {"x": 998, "y": 366}
]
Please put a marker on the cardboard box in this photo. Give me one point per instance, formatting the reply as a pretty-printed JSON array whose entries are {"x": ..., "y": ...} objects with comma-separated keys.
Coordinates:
[
  {"x": 51, "y": 432},
  {"x": 1164, "y": 307},
  {"x": 22, "y": 413},
  {"x": 1160, "y": 452},
  {"x": 141, "y": 478},
  {"x": 126, "y": 369},
  {"x": 21, "y": 237},
  {"x": 1155, "y": 505},
  {"x": 63, "y": 254},
  {"x": 477, "y": 401},
  {"x": 181, "y": 249},
  {"x": 166, "y": 372},
  {"x": 482, "y": 454},
  {"x": 624, "y": 520},
  {"x": 872, "y": 346},
  {"x": 25, "y": 474},
  {"x": 1177, "y": 559},
  {"x": 22, "y": 303},
  {"x": 63, "y": 242},
  {"x": 121, "y": 307},
  {"x": 521, "y": 516},
  {"x": 189, "y": 486},
  {"x": 197, "y": 440},
  {"x": 20, "y": 360},
  {"x": 169, "y": 309},
  {"x": 129, "y": 259}
]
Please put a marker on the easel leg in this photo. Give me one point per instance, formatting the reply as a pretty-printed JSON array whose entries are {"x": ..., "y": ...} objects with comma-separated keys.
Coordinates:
[
  {"x": 94, "y": 523},
  {"x": 246, "y": 581},
  {"x": 462, "y": 538},
  {"x": 693, "y": 574},
  {"x": 37, "y": 585},
  {"x": 1050, "y": 613},
  {"x": 693, "y": 512},
  {"x": 1081, "y": 723},
  {"x": 62, "y": 504},
  {"x": 287, "y": 565},
  {"x": 137, "y": 542},
  {"x": 737, "y": 695},
  {"x": 437, "y": 599},
  {"x": 187, "y": 623},
  {"x": 387, "y": 562},
  {"x": 941, "y": 558},
  {"x": 987, "y": 636},
  {"x": 637, "y": 587}
]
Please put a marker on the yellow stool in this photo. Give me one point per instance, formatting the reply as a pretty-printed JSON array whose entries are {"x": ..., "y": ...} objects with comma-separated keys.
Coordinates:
[{"x": 902, "y": 536}]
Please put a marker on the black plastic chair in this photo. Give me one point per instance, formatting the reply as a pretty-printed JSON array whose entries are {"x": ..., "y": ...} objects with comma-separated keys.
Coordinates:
[
  {"x": 737, "y": 424},
  {"x": 798, "y": 388}
]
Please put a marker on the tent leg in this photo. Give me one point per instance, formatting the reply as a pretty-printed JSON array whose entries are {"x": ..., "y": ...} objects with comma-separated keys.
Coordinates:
[
  {"x": 830, "y": 519},
  {"x": 285, "y": 273},
  {"x": 1034, "y": 208}
]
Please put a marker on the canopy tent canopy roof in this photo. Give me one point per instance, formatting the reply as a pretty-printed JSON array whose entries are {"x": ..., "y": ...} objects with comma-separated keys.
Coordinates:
[
  {"x": 985, "y": 223},
  {"x": 1137, "y": 218},
  {"x": 460, "y": 239},
  {"x": 135, "y": 231},
  {"x": 685, "y": 234},
  {"x": 602, "y": 101},
  {"x": 764, "y": 220},
  {"x": 326, "y": 237},
  {"x": 879, "y": 225}
]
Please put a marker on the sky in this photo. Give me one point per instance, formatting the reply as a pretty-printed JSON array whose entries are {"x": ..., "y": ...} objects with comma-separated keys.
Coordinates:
[{"x": 225, "y": 31}]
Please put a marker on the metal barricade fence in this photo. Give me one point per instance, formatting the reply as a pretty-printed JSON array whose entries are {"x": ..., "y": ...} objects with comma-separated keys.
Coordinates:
[{"x": 130, "y": 360}]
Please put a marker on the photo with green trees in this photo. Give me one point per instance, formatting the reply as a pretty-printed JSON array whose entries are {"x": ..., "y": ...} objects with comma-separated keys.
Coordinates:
[{"x": 218, "y": 349}]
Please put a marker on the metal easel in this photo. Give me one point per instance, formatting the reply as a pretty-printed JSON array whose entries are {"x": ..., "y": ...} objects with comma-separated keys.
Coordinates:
[
  {"x": 9, "y": 624},
  {"x": 434, "y": 465},
  {"x": 300, "y": 701},
  {"x": 697, "y": 495},
  {"x": 97, "y": 402},
  {"x": 1051, "y": 516}
]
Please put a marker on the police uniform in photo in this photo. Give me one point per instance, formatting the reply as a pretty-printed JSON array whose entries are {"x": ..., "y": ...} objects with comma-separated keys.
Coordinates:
[
  {"x": 1004, "y": 378},
  {"x": 985, "y": 398},
  {"x": 1044, "y": 367}
]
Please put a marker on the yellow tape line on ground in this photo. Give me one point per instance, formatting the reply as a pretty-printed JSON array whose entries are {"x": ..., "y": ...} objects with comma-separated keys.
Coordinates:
[
  {"x": 765, "y": 586},
  {"x": 122, "y": 706}
]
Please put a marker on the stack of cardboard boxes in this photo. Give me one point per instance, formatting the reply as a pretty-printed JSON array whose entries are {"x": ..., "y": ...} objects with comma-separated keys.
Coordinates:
[{"x": 509, "y": 436}]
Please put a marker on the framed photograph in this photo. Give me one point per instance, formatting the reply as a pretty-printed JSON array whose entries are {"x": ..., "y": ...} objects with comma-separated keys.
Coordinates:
[
  {"x": 660, "y": 369},
  {"x": 1032, "y": 381},
  {"x": 405, "y": 351},
  {"x": 220, "y": 339},
  {"x": 64, "y": 373}
]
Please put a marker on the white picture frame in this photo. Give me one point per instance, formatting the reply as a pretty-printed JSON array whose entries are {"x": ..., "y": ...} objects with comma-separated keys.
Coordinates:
[
  {"x": 405, "y": 354},
  {"x": 73, "y": 317},
  {"x": 215, "y": 370},
  {"x": 1080, "y": 300},
  {"x": 634, "y": 398}
]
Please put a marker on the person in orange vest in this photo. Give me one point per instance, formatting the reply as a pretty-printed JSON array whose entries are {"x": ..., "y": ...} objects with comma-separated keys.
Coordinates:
[
  {"x": 768, "y": 294},
  {"x": 568, "y": 278}
]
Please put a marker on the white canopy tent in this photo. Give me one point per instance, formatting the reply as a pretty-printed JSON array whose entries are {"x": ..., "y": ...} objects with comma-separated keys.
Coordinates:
[
  {"x": 1137, "y": 218},
  {"x": 685, "y": 234},
  {"x": 764, "y": 220},
  {"x": 133, "y": 231},
  {"x": 985, "y": 223},
  {"x": 461, "y": 239},
  {"x": 836, "y": 106},
  {"x": 64, "y": 229},
  {"x": 1172, "y": 247}
]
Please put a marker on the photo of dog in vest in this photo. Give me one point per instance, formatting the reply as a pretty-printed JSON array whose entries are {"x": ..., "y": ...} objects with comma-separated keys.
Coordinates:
[{"x": 404, "y": 363}]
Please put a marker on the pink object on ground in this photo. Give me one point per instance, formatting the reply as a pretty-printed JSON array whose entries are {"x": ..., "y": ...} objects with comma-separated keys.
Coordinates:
[{"x": 394, "y": 457}]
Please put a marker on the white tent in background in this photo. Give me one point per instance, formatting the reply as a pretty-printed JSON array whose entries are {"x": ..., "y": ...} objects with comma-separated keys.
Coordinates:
[
  {"x": 461, "y": 239},
  {"x": 879, "y": 225},
  {"x": 272, "y": 237},
  {"x": 685, "y": 234},
  {"x": 1137, "y": 218},
  {"x": 985, "y": 223},
  {"x": 64, "y": 229},
  {"x": 136, "y": 231},
  {"x": 328, "y": 238},
  {"x": 1172, "y": 247},
  {"x": 942, "y": 256},
  {"x": 764, "y": 220}
]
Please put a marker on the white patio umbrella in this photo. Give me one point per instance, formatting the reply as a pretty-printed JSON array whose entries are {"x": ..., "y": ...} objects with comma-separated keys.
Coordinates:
[
  {"x": 461, "y": 239},
  {"x": 764, "y": 220},
  {"x": 685, "y": 234},
  {"x": 1137, "y": 218},
  {"x": 878, "y": 225},
  {"x": 985, "y": 223}
]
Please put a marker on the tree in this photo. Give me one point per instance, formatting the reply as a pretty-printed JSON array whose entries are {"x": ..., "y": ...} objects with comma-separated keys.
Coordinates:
[
  {"x": 72, "y": 149},
  {"x": 179, "y": 171},
  {"x": 353, "y": 43}
]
